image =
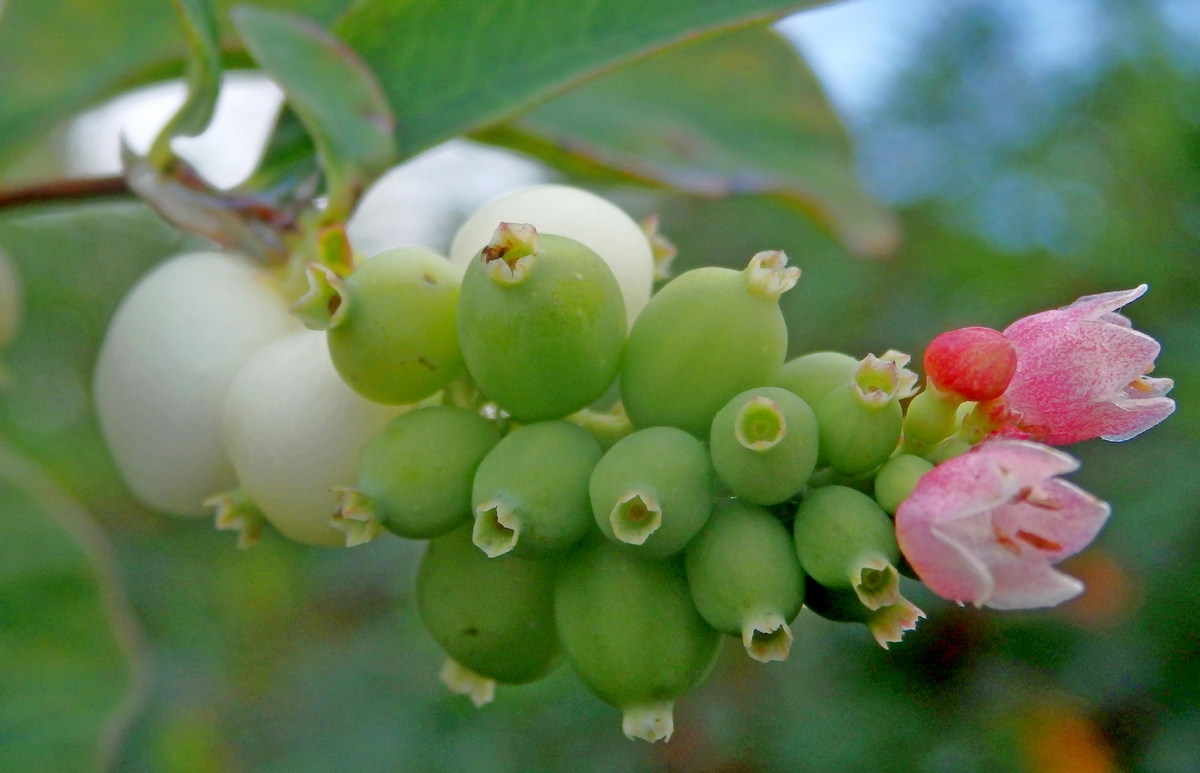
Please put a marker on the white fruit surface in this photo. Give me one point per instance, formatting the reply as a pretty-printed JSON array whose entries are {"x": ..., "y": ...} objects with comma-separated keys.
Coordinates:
[
  {"x": 577, "y": 214},
  {"x": 168, "y": 358},
  {"x": 10, "y": 300},
  {"x": 294, "y": 430}
]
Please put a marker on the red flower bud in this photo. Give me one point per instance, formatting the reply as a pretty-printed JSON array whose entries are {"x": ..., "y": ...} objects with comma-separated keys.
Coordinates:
[{"x": 975, "y": 363}]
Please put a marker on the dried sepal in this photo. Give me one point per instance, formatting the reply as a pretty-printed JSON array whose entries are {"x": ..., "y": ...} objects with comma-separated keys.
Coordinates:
[
  {"x": 635, "y": 517},
  {"x": 356, "y": 518},
  {"x": 237, "y": 512},
  {"x": 662, "y": 248},
  {"x": 889, "y": 623},
  {"x": 511, "y": 254},
  {"x": 760, "y": 424},
  {"x": 878, "y": 381},
  {"x": 461, "y": 680},
  {"x": 497, "y": 528},
  {"x": 769, "y": 275},
  {"x": 649, "y": 721},
  {"x": 767, "y": 637},
  {"x": 876, "y": 583},
  {"x": 608, "y": 427},
  {"x": 325, "y": 304}
]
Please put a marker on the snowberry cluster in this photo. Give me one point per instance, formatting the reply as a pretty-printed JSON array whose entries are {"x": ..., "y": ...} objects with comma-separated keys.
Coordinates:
[{"x": 606, "y": 475}]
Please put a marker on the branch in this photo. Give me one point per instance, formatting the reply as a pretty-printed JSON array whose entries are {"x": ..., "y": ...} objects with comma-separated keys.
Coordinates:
[{"x": 64, "y": 190}]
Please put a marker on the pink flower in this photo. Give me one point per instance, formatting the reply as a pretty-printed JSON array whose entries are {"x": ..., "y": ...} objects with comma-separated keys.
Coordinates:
[
  {"x": 1081, "y": 373},
  {"x": 988, "y": 526}
]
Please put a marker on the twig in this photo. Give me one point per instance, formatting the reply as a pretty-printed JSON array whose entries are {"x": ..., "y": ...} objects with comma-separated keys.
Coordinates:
[{"x": 64, "y": 190}]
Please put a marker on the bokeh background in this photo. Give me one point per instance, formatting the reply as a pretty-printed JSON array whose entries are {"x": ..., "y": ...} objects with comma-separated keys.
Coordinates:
[{"x": 1032, "y": 151}]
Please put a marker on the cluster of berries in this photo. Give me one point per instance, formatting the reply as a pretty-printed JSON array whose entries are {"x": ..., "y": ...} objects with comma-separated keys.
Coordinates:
[{"x": 603, "y": 474}]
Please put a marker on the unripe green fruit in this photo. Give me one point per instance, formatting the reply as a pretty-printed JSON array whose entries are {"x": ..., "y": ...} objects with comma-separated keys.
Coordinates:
[
  {"x": 813, "y": 376},
  {"x": 416, "y": 473},
  {"x": 897, "y": 479},
  {"x": 576, "y": 214},
  {"x": 632, "y": 633},
  {"x": 857, "y": 437},
  {"x": 846, "y": 542},
  {"x": 395, "y": 340},
  {"x": 531, "y": 492},
  {"x": 294, "y": 432},
  {"x": 707, "y": 336},
  {"x": 494, "y": 616},
  {"x": 168, "y": 358},
  {"x": 652, "y": 491},
  {"x": 542, "y": 336},
  {"x": 745, "y": 578},
  {"x": 764, "y": 445}
]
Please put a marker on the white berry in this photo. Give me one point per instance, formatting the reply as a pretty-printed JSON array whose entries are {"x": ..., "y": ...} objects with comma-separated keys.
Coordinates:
[
  {"x": 171, "y": 351},
  {"x": 293, "y": 430}
]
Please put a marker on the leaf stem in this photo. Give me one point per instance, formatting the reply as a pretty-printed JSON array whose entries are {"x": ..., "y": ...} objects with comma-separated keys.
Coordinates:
[{"x": 64, "y": 190}]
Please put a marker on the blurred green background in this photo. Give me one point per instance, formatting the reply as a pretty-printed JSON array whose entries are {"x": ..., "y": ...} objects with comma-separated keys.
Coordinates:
[{"x": 134, "y": 641}]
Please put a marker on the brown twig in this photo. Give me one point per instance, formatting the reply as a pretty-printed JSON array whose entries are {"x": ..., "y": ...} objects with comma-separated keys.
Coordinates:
[{"x": 64, "y": 190}]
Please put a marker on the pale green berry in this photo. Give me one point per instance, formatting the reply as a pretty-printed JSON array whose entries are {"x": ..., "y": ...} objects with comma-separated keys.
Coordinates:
[
  {"x": 845, "y": 541},
  {"x": 391, "y": 323},
  {"x": 652, "y": 491},
  {"x": 707, "y": 336},
  {"x": 632, "y": 633},
  {"x": 861, "y": 421},
  {"x": 576, "y": 214},
  {"x": 813, "y": 376},
  {"x": 541, "y": 323},
  {"x": 415, "y": 475},
  {"x": 168, "y": 358},
  {"x": 897, "y": 479},
  {"x": 530, "y": 495},
  {"x": 764, "y": 445},
  {"x": 746, "y": 579},
  {"x": 494, "y": 616}
]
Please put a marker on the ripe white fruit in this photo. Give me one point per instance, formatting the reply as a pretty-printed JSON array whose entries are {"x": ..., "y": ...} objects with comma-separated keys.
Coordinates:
[
  {"x": 293, "y": 430},
  {"x": 10, "y": 300},
  {"x": 171, "y": 351},
  {"x": 577, "y": 214}
]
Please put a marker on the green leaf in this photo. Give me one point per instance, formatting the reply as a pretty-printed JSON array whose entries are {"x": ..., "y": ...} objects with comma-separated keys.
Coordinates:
[
  {"x": 453, "y": 66},
  {"x": 334, "y": 95},
  {"x": 738, "y": 113},
  {"x": 199, "y": 21},
  {"x": 72, "y": 667},
  {"x": 58, "y": 57}
]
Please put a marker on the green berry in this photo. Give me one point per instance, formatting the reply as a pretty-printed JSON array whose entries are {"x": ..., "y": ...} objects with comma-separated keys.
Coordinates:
[
  {"x": 764, "y": 445},
  {"x": 531, "y": 492},
  {"x": 846, "y": 542},
  {"x": 541, "y": 322},
  {"x": 746, "y": 579},
  {"x": 496, "y": 617},
  {"x": 415, "y": 475},
  {"x": 391, "y": 323},
  {"x": 861, "y": 421},
  {"x": 652, "y": 491},
  {"x": 896, "y": 480},
  {"x": 707, "y": 336},
  {"x": 857, "y": 437},
  {"x": 813, "y": 376},
  {"x": 632, "y": 633}
]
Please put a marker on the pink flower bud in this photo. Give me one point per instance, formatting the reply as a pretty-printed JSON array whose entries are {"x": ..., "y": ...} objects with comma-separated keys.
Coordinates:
[
  {"x": 1081, "y": 373},
  {"x": 975, "y": 363},
  {"x": 987, "y": 527}
]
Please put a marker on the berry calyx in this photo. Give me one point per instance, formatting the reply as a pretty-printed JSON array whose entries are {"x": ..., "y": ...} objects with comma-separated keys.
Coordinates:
[{"x": 509, "y": 256}]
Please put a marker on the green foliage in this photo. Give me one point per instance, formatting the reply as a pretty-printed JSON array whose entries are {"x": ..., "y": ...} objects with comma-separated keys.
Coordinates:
[
  {"x": 732, "y": 114},
  {"x": 332, "y": 93}
]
